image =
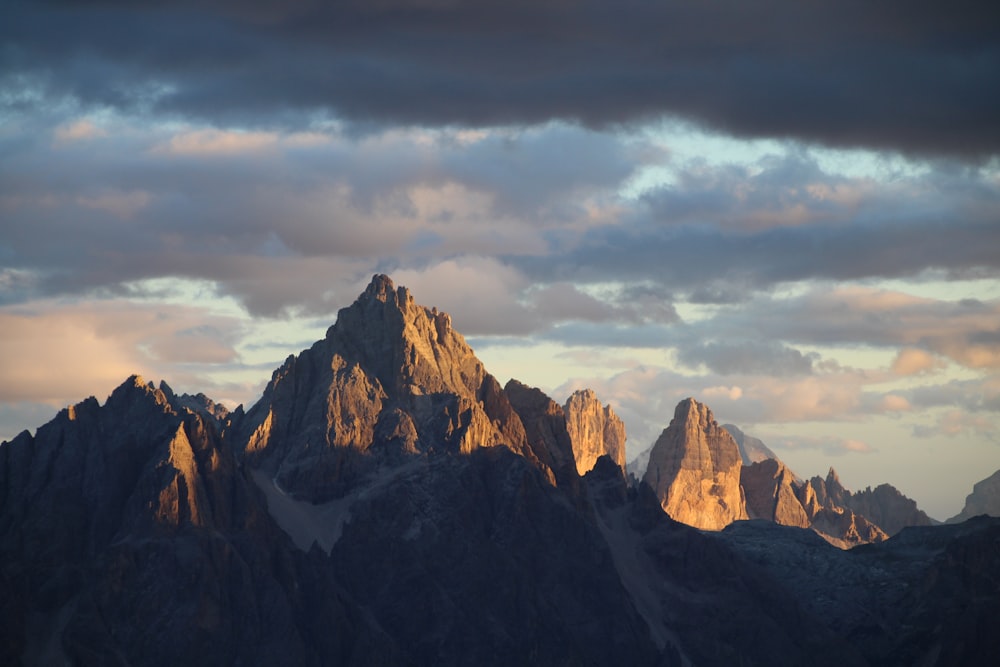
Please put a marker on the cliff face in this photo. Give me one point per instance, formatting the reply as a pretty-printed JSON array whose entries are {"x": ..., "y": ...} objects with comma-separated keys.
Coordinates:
[
  {"x": 594, "y": 430},
  {"x": 546, "y": 430},
  {"x": 769, "y": 487},
  {"x": 694, "y": 470}
]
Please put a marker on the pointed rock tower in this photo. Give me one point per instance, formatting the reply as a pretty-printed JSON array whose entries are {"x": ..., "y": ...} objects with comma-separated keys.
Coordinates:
[
  {"x": 391, "y": 379},
  {"x": 694, "y": 469},
  {"x": 595, "y": 430}
]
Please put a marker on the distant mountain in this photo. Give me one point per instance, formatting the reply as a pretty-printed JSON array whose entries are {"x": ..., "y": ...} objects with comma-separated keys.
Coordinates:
[
  {"x": 391, "y": 379},
  {"x": 752, "y": 450},
  {"x": 984, "y": 499},
  {"x": 772, "y": 491},
  {"x": 386, "y": 502},
  {"x": 887, "y": 507},
  {"x": 694, "y": 470}
]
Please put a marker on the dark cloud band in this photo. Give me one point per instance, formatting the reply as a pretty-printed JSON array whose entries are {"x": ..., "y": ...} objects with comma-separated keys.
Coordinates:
[{"x": 913, "y": 76}]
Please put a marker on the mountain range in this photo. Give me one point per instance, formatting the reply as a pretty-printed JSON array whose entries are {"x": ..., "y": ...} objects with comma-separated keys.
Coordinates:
[{"x": 387, "y": 501}]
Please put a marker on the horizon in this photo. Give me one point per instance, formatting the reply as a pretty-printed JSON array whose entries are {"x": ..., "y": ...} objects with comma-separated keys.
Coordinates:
[{"x": 653, "y": 202}]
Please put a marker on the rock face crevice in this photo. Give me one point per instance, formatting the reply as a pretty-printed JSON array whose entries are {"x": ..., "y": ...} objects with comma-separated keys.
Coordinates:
[{"x": 694, "y": 470}]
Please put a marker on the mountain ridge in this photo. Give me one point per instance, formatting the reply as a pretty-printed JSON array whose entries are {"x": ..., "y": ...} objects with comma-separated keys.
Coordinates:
[{"x": 387, "y": 502}]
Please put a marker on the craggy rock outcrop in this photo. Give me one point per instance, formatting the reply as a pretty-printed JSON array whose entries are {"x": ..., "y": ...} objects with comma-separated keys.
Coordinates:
[
  {"x": 694, "y": 470},
  {"x": 887, "y": 508},
  {"x": 984, "y": 499},
  {"x": 594, "y": 430},
  {"x": 825, "y": 503},
  {"x": 769, "y": 487},
  {"x": 546, "y": 429},
  {"x": 390, "y": 379},
  {"x": 130, "y": 535}
]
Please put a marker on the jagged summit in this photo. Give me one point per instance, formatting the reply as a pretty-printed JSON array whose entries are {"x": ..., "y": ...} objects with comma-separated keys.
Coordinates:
[
  {"x": 391, "y": 378},
  {"x": 405, "y": 346}
]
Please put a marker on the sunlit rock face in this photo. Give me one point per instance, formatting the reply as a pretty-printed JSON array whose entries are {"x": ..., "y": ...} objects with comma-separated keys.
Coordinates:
[
  {"x": 390, "y": 379},
  {"x": 694, "y": 470},
  {"x": 769, "y": 487},
  {"x": 595, "y": 431},
  {"x": 984, "y": 499}
]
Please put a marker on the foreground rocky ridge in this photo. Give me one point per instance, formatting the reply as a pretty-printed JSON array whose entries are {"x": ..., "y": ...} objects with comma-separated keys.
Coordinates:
[{"x": 387, "y": 502}]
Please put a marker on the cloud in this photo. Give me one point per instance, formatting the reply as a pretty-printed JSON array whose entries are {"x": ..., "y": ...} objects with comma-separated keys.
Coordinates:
[
  {"x": 940, "y": 220},
  {"x": 956, "y": 422},
  {"x": 78, "y": 130},
  {"x": 914, "y": 361},
  {"x": 829, "y": 445},
  {"x": 832, "y": 72},
  {"x": 894, "y": 403},
  {"x": 207, "y": 142},
  {"x": 58, "y": 353},
  {"x": 746, "y": 357}
]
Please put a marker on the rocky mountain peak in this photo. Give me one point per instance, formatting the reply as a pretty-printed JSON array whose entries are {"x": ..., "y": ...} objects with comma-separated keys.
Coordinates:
[
  {"x": 391, "y": 378},
  {"x": 382, "y": 289},
  {"x": 694, "y": 469}
]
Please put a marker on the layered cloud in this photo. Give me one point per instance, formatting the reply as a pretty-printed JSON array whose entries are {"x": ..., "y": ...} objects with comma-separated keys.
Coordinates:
[{"x": 831, "y": 72}]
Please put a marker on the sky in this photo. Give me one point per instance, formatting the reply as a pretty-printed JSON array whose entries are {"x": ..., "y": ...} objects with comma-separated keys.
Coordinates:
[{"x": 788, "y": 210}]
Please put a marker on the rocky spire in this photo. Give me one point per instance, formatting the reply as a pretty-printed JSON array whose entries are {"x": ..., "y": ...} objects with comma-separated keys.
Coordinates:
[
  {"x": 594, "y": 430},
  {"x": 694, "y": 469},
  {"x": 391, "y": 378}
]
